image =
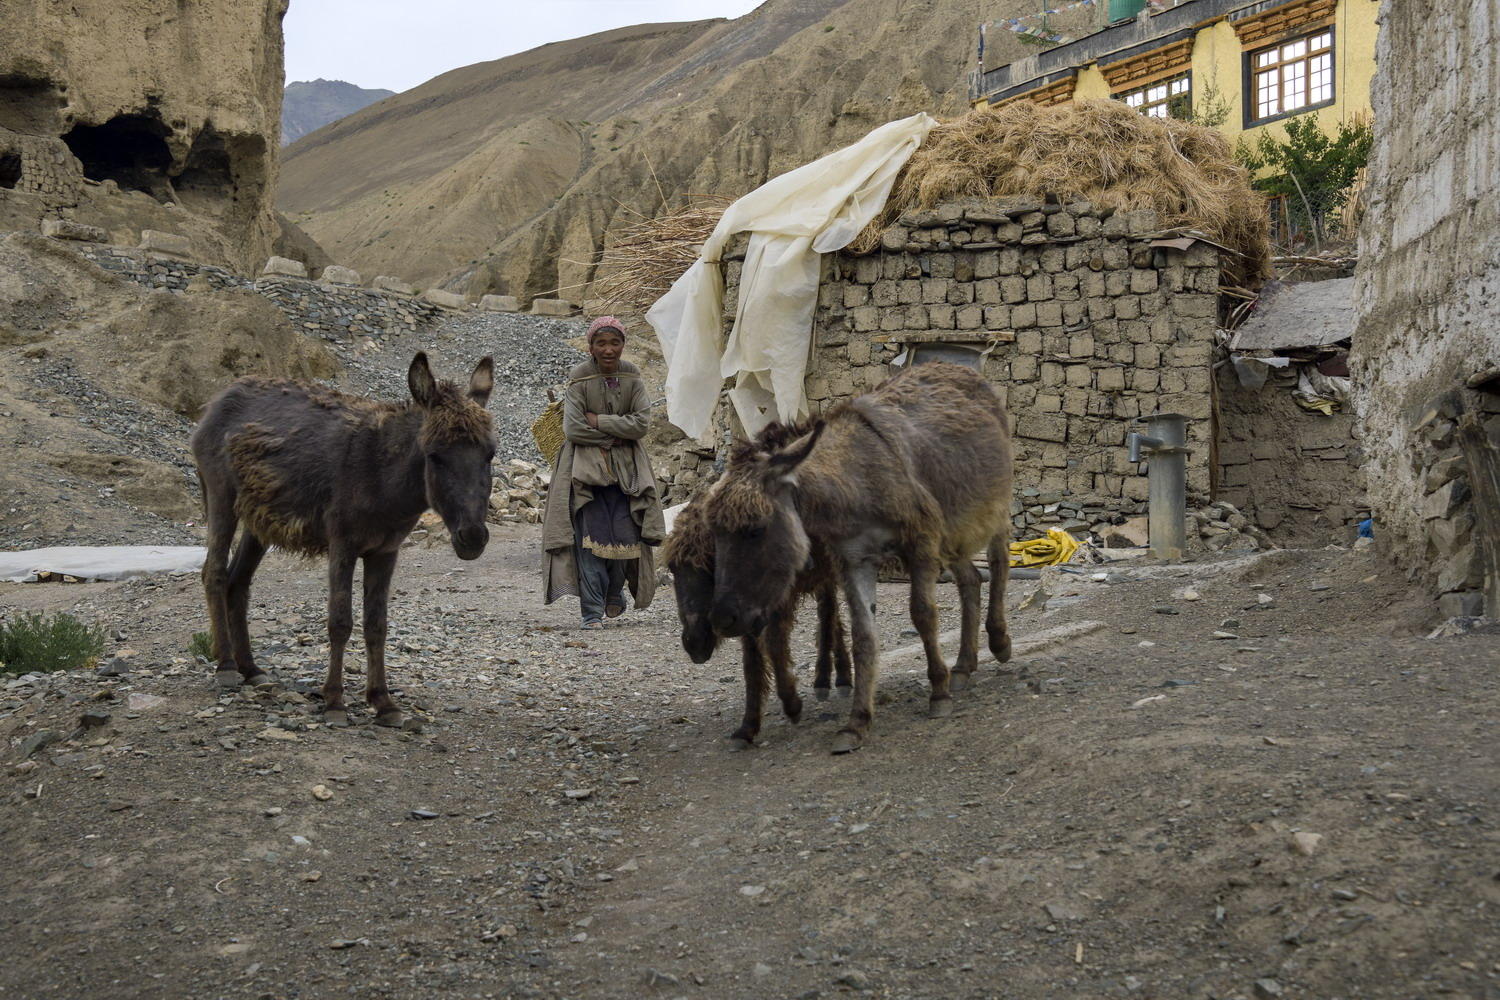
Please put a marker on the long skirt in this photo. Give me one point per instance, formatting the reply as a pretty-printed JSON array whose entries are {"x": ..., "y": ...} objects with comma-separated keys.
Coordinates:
[{"x": 605, "y": 527}]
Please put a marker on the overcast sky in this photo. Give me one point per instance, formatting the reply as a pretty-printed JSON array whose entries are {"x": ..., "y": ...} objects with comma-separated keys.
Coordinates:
[{"x": 397, "y": 44}]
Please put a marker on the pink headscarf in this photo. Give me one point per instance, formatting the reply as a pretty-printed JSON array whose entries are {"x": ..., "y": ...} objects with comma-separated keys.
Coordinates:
[{"x": 606, "y": 323}]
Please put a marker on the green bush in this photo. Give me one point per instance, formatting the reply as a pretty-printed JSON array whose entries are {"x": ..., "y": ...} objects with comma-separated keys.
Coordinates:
[
  {"x": 202, "y": 646},
  {"x": 36, "y": 642}
]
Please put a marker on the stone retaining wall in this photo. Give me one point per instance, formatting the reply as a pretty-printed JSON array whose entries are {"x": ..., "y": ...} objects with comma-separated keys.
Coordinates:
[
  {"x": 338, "y": 313},
  {"x": 1077, "y": 319},
  {"x": 47, "y": 167}
]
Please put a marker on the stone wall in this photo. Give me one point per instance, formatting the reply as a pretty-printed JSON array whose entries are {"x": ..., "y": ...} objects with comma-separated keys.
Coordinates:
[
  {"x": 1293, "y": 473},
  {"x": 1427, "y": 349},
  {"x": 42, "y": 166},
  {"x": 336, "y": 313},
  {"x": 1083, "y": 324}
]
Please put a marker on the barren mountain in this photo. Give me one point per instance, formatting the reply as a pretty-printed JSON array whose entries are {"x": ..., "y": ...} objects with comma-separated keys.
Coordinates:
[
  {"x": 508, "y": 176},
  {"x": 308, "y": 105}
]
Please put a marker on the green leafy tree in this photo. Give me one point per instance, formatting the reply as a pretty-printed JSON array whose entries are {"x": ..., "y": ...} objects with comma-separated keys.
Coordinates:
[{"x": 1311, "y": 169}]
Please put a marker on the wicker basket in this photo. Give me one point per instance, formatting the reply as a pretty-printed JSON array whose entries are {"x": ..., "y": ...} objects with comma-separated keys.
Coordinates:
[{"x": 547, "y": 429}]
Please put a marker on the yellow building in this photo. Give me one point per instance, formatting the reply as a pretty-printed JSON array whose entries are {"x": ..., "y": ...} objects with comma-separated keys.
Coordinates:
[{"x": 1262, "y": 61}]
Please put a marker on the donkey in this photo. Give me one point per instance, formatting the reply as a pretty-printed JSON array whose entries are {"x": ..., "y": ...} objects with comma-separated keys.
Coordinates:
[
  {"x": 319, "y": 472},
  {"x": 919, "y": 469},
  {"x": 689, "y": 555}
]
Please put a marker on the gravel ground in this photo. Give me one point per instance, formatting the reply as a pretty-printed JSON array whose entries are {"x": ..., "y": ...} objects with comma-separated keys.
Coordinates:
[{"x": 1116, "y": 814}]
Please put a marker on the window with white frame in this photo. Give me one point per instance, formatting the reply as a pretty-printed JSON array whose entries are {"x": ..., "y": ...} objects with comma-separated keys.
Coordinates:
[
  {"x": 1171, "y": 98},
  {"x": 1292, "y": 75}
]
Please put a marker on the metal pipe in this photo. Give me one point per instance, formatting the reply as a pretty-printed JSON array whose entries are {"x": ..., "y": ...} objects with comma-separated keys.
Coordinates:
[{"x": 1165, "y": 446}]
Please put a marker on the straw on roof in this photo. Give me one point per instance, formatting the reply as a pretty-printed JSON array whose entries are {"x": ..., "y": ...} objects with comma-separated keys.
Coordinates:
[
  {"x": 644, "y": 259},
  {"x": 1098, "y": 151},
  {"x": 1102, "y": 152}
]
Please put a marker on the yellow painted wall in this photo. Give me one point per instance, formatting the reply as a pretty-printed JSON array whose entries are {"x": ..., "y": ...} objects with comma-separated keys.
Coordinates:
[
  {"x": 1090, "y": 84},
  {"x": 1218, "y": 65}
]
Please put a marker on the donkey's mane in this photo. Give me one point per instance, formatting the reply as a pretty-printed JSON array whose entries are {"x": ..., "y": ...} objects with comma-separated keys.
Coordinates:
[
  {"x": 691, "y": 542},
  {"x": 455, "y": 418}
]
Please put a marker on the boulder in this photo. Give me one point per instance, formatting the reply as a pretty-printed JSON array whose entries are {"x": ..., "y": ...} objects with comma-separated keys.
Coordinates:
[
  {"x": 171, "y": 244},
  {"x": 500, "y": 303},
  {"x": 386, "y": 283},
  {"x": 448, "y": 300},
  {"x": 285, "y": 267},
  {"x": 67, "y": 229},
  {"x": 334, "y": 274},
  {"x": 551, "y": 307}
]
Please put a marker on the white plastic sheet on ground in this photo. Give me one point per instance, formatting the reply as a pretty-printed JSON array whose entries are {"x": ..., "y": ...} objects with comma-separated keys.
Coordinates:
[
  {"x": 100, "y": 562},
  {"x": 815, "y": 209}
]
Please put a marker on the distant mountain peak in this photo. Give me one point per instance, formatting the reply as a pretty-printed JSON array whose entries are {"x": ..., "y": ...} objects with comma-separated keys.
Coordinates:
[{"x": 308, "y": 105}]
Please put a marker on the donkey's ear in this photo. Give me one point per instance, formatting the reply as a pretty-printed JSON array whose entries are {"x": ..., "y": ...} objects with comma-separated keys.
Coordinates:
[
  {"x": 788, "y": 458},
  {"x": 420, "y": 381},
  {"x": 482, "y": 381}
]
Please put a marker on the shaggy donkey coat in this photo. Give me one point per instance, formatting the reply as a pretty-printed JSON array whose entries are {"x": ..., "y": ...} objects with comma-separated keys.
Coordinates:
[
  {"x": 689, "y": 554},
  {"x": 919, "y": 469},
  {"x": 319, "y": 472}
]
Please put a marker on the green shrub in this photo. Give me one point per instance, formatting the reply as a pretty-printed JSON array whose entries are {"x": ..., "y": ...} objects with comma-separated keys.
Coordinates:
[
  {"x": 202, "y": 646},
  {"x": 36, "y": 642}
]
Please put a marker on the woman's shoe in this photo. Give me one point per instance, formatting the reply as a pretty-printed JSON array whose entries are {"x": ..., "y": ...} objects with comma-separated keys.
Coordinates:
[
  {"x": 593, "y": 625},
  {"x": 614, "y": 610}
]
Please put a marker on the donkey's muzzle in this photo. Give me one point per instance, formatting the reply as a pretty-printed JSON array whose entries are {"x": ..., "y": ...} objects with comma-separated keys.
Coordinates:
[{"x": 469, "y": 542}]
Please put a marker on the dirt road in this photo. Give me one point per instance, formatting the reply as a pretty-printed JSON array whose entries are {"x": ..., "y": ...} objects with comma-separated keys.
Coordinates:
[{"x": 1115, "y": 815}]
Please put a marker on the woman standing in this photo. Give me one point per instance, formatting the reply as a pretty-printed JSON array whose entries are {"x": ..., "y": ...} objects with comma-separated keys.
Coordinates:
[{"x": 603, "y": 513}]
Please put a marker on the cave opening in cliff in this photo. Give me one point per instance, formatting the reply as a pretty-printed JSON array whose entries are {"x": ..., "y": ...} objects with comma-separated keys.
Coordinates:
[
  {"x": 10, "y": 170},
  {"x": 29, "y": 105},
  {"x": 207, "y": 178},
  {"x": 130, "y": 150}
]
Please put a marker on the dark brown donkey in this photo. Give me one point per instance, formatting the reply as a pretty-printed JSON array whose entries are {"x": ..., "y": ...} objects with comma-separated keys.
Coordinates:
[
  {"x": 919, "y": 469},
  {"x": 319, "y": 472},
  {"x": 689, "y": 554}
]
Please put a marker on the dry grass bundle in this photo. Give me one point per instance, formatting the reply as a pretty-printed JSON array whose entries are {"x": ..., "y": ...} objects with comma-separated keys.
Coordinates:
[
  {"x": 643, "y": 260},
  {"x": 1097, "y": 151}
]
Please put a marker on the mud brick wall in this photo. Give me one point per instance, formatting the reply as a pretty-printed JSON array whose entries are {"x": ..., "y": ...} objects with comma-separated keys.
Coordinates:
[
  {"x": 1295, "y": 474},
  {"x": 1426, "y": 359},
  {"x": 47, "y": 167},
  {"x": 1086, "y": 323},
  {"x": 337, "y": 313}
]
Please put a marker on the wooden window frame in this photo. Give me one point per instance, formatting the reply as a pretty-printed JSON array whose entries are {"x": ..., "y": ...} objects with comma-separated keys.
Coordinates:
[
  {"x": 1167, "y": 80},
  {"x": 1252, "y": 71}
]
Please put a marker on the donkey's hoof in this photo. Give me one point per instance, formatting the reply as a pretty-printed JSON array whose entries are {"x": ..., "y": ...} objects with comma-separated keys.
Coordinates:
[
  {"x": 391, "y": 718},
  {"x": 1001, "y": 648},
  {"x": 958, "y": 682},
  {"x": 739, "y": 743},
  {"x": 412, "y": 726},
  {"x": 940, "y": 709},
  {"x": 845, "y": 690},
  {"x": 793, "y": 711},
  {"x": 336, "y": 718},
  {"x": 229, "y": 680},
  {"x": 847, "y": 742},
  {"x": 260, "y": 680},
  {"x": 822, "y": 694}
]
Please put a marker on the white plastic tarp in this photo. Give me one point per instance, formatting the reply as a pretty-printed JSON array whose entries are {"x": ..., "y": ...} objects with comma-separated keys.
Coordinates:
[
  {"x": 100, "y": 562},
  {"x": 815, "y": 209}
]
